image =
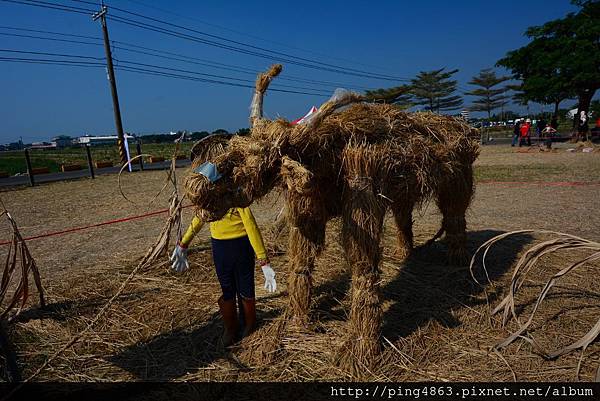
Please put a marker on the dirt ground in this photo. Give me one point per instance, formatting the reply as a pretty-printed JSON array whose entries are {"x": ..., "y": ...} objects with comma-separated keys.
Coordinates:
[{"x": 437, "y": 323}]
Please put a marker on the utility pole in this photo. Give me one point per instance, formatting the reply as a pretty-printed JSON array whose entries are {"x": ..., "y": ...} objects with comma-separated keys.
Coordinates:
[{"x": 101, "y": 15}]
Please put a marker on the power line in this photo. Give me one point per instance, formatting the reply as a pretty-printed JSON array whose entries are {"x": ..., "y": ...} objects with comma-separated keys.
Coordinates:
[
  {"x": 139, "y": 24},
  {"x": 143, "y": 71},
  {"x": 200, "y": 40},
  {"x": 218, "y": 76},
  {"x": 51, "y": 61},
  {"x": 51, "y": 54},
  {"x": 170, "y": 69},
  {"x": 54, "y": 6},
  {"x": 50, "y": 39},
  {"x": 49, "y": 32},
  {"x": 213, "y": 64},
  {"x": 250, "y": 45},
  {"x": 62, "y": 5},
  {"x": 189, "y": 78},
  {"x": 235, "y": 42},
  {"x": 245, "y": 34},
  {"x": 233, "y": 48},
  {"x": 204, "y": 74},
  {"x": 173, "y": 56}
]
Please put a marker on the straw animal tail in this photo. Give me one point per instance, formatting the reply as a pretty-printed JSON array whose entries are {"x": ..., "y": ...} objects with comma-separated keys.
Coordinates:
[{"x": 262, "y": 84}]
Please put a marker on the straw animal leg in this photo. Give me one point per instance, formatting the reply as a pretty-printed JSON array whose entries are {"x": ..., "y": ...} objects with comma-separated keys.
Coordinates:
[
  {"x": 305, "y": 243},
  {"x": 362, "y": 228},
  {"x": 404, "y": 223},
  {"x": 453, "y": 200}
]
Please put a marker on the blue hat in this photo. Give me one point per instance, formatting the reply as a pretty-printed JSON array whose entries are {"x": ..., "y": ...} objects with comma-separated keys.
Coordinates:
[{"x": 209, "y": 170}]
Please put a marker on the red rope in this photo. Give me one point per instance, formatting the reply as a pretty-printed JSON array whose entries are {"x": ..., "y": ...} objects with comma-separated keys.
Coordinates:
[
  {"x": 70, "y": 230},
  {"x": 543, "y": 183}
]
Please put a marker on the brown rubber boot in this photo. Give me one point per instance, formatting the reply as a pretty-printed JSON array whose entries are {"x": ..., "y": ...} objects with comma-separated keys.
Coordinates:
[
  {"x": 230, "y": 322},
  {"x": 249, "y": 305}
]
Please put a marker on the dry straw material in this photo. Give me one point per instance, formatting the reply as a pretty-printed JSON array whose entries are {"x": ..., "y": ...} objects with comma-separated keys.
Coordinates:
[
  {"x": 209, "y": 147},
  {"x": 350, "y": 159}
]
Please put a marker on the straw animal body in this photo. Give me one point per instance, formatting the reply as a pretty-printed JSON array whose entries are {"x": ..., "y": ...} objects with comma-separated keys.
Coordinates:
[{"x": 353, "y": 160}]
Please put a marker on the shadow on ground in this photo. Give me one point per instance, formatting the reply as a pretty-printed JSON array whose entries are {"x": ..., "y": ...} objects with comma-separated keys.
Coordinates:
[
  {"x": 424, "y": 289},
  {"x": 427, "y": 289}
]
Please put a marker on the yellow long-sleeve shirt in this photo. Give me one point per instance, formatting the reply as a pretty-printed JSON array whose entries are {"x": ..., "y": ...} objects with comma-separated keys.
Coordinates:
[{"x": 238, "y": 222}]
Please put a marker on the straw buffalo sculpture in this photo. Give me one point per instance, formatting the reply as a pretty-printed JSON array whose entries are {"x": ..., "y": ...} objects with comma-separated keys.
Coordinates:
[{"x": 350, "y": 159}]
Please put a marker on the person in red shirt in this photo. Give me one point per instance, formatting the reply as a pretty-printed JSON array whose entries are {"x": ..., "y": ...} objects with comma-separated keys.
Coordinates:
[{"x": 524, "y": 132}]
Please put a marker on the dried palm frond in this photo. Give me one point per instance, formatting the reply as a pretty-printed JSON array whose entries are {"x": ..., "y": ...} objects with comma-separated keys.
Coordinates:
[
  {"x": 161, "y": 245},
  {"x": 524, "y": 265},
  {"x": 18, "y": 256}
]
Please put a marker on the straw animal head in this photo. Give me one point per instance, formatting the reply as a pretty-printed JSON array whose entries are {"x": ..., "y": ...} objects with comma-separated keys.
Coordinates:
[{"x": 247, "y": 170}]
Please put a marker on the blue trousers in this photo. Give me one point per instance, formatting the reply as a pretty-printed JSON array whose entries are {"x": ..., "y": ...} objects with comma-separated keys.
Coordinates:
[{"x": 234, "y": 263}]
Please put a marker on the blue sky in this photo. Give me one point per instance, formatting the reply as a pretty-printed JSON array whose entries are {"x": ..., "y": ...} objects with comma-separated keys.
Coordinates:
[{"x": 398, "y": 38}]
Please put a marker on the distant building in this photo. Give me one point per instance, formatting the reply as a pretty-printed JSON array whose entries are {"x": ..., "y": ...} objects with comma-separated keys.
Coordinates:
[
  {"x": 62, "y": 141},
  {"x": 101, "y": 140},
  {"x": 43, "y": 145},
  {"x": 14, "y": 146}
]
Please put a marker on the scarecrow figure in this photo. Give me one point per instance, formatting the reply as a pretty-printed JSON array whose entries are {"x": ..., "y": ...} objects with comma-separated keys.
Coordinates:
[
  {"x": 235, "y": 241},
  {"x": 348, "y": 159}
]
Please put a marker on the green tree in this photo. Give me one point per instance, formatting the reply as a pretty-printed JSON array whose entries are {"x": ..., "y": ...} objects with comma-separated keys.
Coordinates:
[
  {"x": 562, "y": 60},
  {"x": 540, "y": 80},
  {"x": 519, "y": 96},
  {"x": 197, "y": 135},
  {"x": 435, "y": 90},
  {"x": 508, "y": 115},
  {"x": 488, "y": 96},
  {"x": 399, "y": 95},
  {"x": 562, "y": 115}
]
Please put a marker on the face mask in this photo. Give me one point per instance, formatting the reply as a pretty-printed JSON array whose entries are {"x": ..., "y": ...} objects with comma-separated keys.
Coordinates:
[{"x": 209, "y": 170}]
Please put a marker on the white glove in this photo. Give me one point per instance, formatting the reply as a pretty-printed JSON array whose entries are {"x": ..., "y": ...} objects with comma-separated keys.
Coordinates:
[
  {"x": 179, "y": 259},
  {"x": 270, "y": 284}
]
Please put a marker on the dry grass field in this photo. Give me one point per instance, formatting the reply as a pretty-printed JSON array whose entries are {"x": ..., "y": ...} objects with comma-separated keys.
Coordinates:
[{"x": 437, "y": 323}]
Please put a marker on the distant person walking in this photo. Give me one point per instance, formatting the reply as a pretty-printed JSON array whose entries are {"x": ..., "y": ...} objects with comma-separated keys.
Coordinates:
[
  {"x": 516, "y": 132},
  {"x": 539, "y": 127},
  {"x": 528, "y": 122},
  {"x": 547, "y": 134},
  {"x": 582, "y": 129}
]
